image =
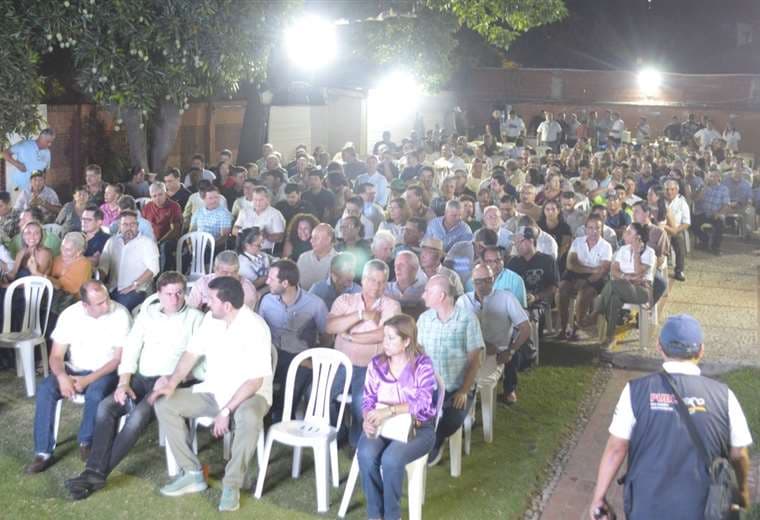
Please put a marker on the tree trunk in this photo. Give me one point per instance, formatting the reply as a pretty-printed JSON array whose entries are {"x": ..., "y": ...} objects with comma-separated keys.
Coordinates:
[
  {"x": 138, "y": 147},
  {"x": 255, "y": 125},
  {"x": 164, "y": 135}
]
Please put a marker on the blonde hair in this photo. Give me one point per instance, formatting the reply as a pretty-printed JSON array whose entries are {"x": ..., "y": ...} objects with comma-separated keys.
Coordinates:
[{"x": 406, "y": 327}]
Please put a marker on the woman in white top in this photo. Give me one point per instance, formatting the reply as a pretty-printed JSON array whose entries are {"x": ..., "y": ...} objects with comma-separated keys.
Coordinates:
[
  {"x": 588, "y": 265},
  {"x": 631, "y": 281},
  {"x": 398, "y": 214},
  {"x": 254, "y": 262}
]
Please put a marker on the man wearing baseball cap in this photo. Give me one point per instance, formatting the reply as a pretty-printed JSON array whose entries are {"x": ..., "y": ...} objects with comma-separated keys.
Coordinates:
[{"x": 666, "y": 477}]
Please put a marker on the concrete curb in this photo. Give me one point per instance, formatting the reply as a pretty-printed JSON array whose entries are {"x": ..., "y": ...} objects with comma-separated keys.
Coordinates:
[{"x": 629, "y": 361}]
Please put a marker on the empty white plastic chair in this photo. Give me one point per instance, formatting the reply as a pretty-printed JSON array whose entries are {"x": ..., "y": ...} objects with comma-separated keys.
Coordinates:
[
  {"x": 198, "y": 242},
  {"x": 315, "y": 430},
  {"x": 488, "y": 378},
  {"x": 54, "y": 229},
  {"x": 33, "y": 325},
  {"x": 207, "y": 422},
  {"x": 415, "y": 472}
]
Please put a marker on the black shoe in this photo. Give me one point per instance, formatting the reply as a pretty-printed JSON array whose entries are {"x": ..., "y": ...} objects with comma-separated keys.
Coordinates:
[
  {"x": 87, "y": 478},
  {"x": 680, "y": 276}
]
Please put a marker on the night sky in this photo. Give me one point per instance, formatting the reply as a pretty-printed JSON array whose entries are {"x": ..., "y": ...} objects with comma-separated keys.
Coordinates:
[{"x": 690, "y": 36}]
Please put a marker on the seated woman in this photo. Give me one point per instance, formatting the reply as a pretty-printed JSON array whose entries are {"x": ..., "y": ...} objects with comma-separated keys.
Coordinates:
[
  {"x": 400, "y": 380},
  {"x": 398, "y": 214},
  {"x": 254, "y": 263},
  {"x": 71, "y": 212},
  {"x": 553, "y": 223},
  {"x": 33, "y": 258},
  {"x": 298, "y": 236},
  {"x": 70, "y": 270},
  {"x": 631, "y": 282},
  {"x": 588, "y": 264}
]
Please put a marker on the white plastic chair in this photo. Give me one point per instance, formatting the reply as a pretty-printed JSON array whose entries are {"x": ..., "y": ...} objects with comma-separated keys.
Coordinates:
[
  {"x": 415, "y": 472},
  {"x": 314, "y": 430},
  {"x": 33, "y": 326},
  {"x": 55, "y": 229},
  {"x": 171, "y": 463},
  {"x": 141, "y": 202},
  {"x": 488, "y": 377},
  {"x": 77, "y": 399},
  {"x": 198, "y": 242}
]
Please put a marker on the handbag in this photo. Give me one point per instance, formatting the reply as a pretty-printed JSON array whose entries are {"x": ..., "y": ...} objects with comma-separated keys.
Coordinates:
[
  {"x": 724, "y": 487},
  {"x": 397, "y": 427}
]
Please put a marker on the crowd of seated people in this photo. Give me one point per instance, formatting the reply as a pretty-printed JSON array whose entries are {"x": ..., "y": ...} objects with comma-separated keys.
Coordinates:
[{"x": 414, "y": 261}]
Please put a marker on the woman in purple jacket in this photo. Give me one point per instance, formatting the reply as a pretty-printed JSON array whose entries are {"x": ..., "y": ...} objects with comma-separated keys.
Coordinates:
[{"x": 400, "y": 380}]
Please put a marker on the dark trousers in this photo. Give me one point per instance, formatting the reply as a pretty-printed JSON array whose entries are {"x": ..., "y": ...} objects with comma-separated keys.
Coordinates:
[
  {"x": 303, "y": 380},
  {"x": 109, "y": 447},
  {"x": 510, "y": 373},
  {"x": 715, "y": 237},
  {"x": 48, "y": 395},
  {"x": 382, "y": 464},
  {"x": 129, "y": 300},
  {"x": 167, "y": 255},
  {"x": 357, "y": 395},
  {"x": 451, "y": 418},
  {"x": 678, "y": 242}
]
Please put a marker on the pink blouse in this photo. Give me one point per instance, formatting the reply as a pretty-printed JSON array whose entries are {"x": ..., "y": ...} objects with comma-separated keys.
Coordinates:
[{"x": 415, "y": 386}]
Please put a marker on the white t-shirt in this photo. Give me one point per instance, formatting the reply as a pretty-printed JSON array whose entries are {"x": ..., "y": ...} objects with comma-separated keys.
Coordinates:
[
  {"x": 269, "y": 220},
  {"x": 601, "y": 252},
  {"x": 624, "y": 258},
  {"x": 234, "y": 354},
  {"x": 124, "y": 263},
  {"x": 548, "y": 131},
  {"x": 680, "y": 210},
  {"x": 705, "y": 137},
  {"x": 732, "y": 140},
  {"x": 617, "y": 128},
  {"x": 624, "y": 420},
  {"x": 498, "y": 313},
  {"x": 92, "y": 342},
  {"x": 515, "y": 126}
]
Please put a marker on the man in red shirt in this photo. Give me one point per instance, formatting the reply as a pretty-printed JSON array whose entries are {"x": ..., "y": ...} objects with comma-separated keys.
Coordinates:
[{"x": 165, "y": 216}]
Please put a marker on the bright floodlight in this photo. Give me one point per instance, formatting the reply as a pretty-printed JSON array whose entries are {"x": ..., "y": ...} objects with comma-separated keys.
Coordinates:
[
  {"x": 649, "y": 81},
  {"x": 399, "y": 92},
  {"x": 311, "y": 41}
]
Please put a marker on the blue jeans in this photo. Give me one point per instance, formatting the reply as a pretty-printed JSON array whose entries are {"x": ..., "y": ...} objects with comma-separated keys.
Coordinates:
[
  {"x": 357, "y": 395},
  {"x": 451, "y": 418},
  {"x": 384, "y": 491},
  {"x": 659, "y": 286},
  {"x": 47, "y": 398},
  {"x": 129, "y": 300}
]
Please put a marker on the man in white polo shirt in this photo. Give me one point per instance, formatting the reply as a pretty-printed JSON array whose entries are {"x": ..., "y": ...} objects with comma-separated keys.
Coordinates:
[
  {"x": 236, "y": 345},
  {"x": 314, "y": 265},
  {"x": 159, "y": 337},
  {"x": 679, "y": 207},
  {"x": 129, "y": 260},
  {"x": 93, "y": 331},
  {"x": 263, "y": 216}
]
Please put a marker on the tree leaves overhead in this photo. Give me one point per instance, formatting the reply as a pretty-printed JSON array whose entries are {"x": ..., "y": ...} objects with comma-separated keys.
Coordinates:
[{"x": 20, "y": 83}]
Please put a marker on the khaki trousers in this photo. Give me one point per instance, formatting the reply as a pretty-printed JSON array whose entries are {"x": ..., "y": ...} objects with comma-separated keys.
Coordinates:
[{"x": 246, "y": 423}]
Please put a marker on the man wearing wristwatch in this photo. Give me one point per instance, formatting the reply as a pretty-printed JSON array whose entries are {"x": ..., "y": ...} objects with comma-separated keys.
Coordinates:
[
  {"x": 357, "y": 322},
  {"x": 236, "y": 345},
  {"x": 158, "y": 338},
  {"x": 130, "y": 261}
]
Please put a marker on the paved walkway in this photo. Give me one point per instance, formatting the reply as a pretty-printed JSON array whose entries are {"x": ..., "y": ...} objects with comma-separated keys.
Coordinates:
[{"x": 724, "y": 294}]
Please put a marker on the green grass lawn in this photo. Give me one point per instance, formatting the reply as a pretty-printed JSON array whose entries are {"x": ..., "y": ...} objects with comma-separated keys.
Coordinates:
[{"x": 497, "y": 479}]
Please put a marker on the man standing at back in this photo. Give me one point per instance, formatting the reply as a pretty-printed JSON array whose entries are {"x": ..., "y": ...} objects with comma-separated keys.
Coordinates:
[
  {"x": 236, "y": 345},
  {"x": 666, "y": 477},
  {"x": 30, "y": 156}
]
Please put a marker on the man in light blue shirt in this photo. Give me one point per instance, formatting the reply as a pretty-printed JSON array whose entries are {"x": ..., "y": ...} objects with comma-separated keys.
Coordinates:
[
  {"x": 339, "y": 281},
  {"x": 127, "y": 202},
  {"x": 505, "y": 279},
  {"x": 30, "y": 156},
  {"x": 449, "y": 228},
  {"x": 377, "y": 179}
]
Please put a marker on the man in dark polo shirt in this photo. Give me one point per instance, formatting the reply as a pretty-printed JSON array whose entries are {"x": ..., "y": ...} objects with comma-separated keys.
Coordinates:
[
  {"x": 321, "y": 199},
  {"x": 294, "y": 204},
  {"x": 165, "y": 216},
  {"x": 666, "y": 478},
  {"x": 175, "y": 189},
  {"x": 92, "y": 220}
]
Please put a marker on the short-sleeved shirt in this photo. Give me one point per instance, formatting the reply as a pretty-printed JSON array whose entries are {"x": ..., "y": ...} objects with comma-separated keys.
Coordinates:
[
  {"x": 713, "y": 199},
  {"x": 28, "y": 153},
  {"x": 125, "y": 262},
  {"x": 312, "y": 269},
  {"x": 96, "y": 243},
  {"x": 680, "y": 210},
  {"x": 449, "y": 343},
  {"x": 212, "y": 221},
  {"x": 295, "y": 327},
  {"x": 740, "y": 191},
  {"x": 620, "y": 220},
  {"x": 412, "y": 295},
  {"x": 199, "y": 294},
  {"x": 234, "y": 354},
  {"x": 624, "y": 420},
  {"x": 162, "y": 218},
  {"x": 624, "y": 258},
  {"x": 498, "y": 313},
  {"x": 92, "y": 341},
  {"x": 325, "y": 291},
  {"x": 601, "y": 252},
  {"x": 361, "y": 354},
  {"x": 269, "y": 220},
  {"x": 449, "y": 237},
  {"x": 538, "y": 273},
  {"x": 323, "y": 202},
  {"x": 181, "y": 196},
  {"x": 47, "y": 194}
]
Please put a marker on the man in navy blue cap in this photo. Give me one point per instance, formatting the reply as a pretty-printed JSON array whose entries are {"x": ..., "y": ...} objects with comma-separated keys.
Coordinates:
[{"x": 666, "y": 477}]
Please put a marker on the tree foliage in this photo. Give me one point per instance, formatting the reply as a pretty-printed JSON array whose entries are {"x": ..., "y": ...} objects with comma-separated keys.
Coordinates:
[{"x": 20, "y": 82}]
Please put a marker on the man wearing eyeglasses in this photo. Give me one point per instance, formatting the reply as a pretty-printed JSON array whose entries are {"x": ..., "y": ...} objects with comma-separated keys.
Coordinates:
[{"x": 504, "y": 324}]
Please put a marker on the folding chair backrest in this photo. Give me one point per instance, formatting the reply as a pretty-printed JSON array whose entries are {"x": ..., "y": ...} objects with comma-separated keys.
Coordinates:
[
  {"x": 35, "y": 288},
  {"x": 441, "y": 397},
  {"x": 325, "y": 363},
  {"x": 198, "y": 242},
  {"x": 55, "y": 229}
]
